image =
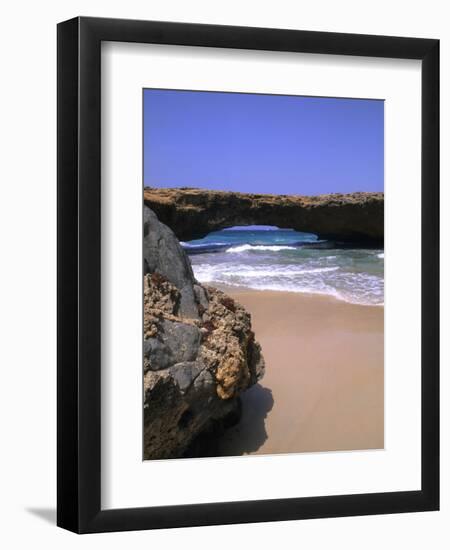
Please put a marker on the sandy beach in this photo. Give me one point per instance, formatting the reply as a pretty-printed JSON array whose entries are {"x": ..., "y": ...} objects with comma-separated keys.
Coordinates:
[{"x": 323, "y": 388}]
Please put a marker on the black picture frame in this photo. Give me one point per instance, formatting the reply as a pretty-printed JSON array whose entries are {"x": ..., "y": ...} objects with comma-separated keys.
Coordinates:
[{"x": 79, "y": 281}]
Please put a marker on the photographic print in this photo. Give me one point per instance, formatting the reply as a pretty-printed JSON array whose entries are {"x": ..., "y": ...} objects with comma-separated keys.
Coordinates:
[
  {"x": 263, "y": 260},
  {"x": 221, "y": 281}
]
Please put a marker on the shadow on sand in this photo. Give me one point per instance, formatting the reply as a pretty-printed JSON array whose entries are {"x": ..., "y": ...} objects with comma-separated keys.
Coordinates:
[
  {"x": 249, "y": 433},
  {"x": 242, "y": 432},
  {"x": 238, "y": 436}
]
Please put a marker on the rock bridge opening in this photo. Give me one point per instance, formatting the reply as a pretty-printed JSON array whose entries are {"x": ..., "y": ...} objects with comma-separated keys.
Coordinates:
[{"x": 249, "y": 238}]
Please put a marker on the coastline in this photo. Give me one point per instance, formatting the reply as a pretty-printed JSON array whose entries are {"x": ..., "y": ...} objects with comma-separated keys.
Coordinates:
[
  {"x": 323, "y": 389},
  {"x": 236, "y": 291}
]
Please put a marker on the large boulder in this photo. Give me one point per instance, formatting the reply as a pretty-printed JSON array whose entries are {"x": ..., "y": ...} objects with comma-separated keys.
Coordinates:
[{"x": 200, "y": 353}]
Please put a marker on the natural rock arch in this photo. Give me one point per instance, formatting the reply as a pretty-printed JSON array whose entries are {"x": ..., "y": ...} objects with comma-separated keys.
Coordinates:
[{"x": 193, "y": 213}]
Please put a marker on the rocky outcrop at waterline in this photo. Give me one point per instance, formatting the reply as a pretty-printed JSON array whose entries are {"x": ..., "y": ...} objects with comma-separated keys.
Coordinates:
[
  {"x": 347, "y": 218},
  {"x": 200, "y": 353}
]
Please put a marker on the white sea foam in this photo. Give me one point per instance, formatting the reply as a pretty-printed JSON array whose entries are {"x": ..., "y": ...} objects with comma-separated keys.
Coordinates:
[
  {"x": 257, "y": 272},
  {"x": 357, "y": 288},
  {"x": 273, "y": 262},
  {"x": 287, "y": 271},
  {"x": 201, "y": 245},
  {"x": 268, "y": 248}
]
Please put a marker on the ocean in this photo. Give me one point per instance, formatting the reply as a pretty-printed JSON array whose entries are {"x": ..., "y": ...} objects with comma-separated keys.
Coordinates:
[{"x": 268, "y": 258}]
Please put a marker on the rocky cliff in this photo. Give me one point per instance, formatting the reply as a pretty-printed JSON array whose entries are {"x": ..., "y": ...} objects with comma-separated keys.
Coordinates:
[
  {"x": 199, "y": 350},
  {"x": 193, "y": 213}
]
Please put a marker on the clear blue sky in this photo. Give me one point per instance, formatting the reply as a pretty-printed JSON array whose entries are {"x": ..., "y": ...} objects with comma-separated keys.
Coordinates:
[{"x": 263, "y": 143}]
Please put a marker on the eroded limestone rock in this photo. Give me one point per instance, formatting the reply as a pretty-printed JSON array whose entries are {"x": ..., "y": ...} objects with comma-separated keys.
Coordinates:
[{"x": 343, "y": 218}]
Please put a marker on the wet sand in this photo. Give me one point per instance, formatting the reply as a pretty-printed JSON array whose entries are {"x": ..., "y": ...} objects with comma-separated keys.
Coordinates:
[{"x": 323, "y": 389}]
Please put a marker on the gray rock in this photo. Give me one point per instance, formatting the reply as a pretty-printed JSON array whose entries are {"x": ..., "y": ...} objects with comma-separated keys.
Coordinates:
[
  {"x": 186, "y": 373},
  {"x": 176, "y": 342},
  {"x": 201, "y": 296},
  {"x": 163, "y": 254},
  {"x": 158, "y": 354}
]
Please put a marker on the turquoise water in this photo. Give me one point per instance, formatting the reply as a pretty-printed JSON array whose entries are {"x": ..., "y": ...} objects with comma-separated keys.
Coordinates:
[{"x": 267, "y": 258}]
